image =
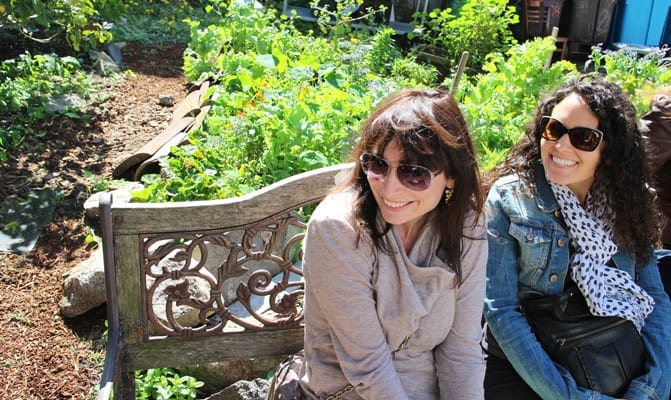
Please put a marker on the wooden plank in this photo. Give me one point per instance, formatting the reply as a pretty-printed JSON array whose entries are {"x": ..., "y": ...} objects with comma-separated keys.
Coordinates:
[
  {"x": 174, "y": 352},
  {"x": 183, "y": 120},
  {"x": 127, "y": 256},
  {"x": 145, "y": 152},
  {"x": 151, "y": 164},
  {"x": 304, "y": 188}
]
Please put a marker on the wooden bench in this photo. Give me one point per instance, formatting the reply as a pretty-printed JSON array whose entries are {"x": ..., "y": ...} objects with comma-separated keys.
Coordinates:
[{"x": 232, "y": 266}]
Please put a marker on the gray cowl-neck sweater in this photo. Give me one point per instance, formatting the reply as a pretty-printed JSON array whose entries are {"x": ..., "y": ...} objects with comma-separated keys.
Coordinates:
[{"x": 357, "y": 313}]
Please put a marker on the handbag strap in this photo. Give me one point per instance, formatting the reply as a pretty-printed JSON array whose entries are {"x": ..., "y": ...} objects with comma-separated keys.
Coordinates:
[
  {"x": 568, "y": 304},
  {"x": 341, "y": 392},
  {"x": 350, "y": 387}
]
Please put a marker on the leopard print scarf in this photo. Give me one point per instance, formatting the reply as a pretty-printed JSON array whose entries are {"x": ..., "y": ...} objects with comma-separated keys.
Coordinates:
[{"x": 607, "y": 290}]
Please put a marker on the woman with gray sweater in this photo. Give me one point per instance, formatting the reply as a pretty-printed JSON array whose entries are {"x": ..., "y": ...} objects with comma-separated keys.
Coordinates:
[{"x": 394, "y": 262}]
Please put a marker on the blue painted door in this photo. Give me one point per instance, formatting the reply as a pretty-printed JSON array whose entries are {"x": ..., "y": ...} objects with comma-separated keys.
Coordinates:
[
  {"x": 642, "y": 21},
  {"x": 658, "y": 15}
]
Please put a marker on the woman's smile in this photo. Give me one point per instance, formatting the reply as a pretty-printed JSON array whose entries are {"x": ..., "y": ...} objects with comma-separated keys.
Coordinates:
[
  {"x": 394, "y": 204},
  {"x": 562, "y": 162}
]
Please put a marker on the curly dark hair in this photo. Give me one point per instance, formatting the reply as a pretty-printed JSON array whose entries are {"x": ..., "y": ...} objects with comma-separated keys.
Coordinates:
[
  {"x": 431, "y": 130},
  {"x": 623, "y": 170}
]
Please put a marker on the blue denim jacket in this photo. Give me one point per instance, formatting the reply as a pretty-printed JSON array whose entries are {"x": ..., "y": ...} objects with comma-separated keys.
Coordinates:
[{"x": 529, "y": 253}]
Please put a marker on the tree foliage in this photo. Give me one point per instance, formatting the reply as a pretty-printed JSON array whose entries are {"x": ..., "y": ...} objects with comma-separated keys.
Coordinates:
[{"x": 82, "y": 23}]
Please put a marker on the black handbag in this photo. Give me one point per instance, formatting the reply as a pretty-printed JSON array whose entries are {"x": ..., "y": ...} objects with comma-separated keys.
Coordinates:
[{"x": 602, "y": 353}]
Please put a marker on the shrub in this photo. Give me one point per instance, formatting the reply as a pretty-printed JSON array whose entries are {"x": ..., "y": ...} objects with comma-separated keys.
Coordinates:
[
  {"x": 83, "y": 23},
  {"x": 638, "y": 75},
  {"x": 482, "y": 27},
  {"x": 499, "y": 102}
]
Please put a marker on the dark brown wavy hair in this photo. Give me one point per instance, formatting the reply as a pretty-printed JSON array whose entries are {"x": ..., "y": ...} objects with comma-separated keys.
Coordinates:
[
  {"x": 431, "y": 129},
  {"x": 623, "y": 171}
]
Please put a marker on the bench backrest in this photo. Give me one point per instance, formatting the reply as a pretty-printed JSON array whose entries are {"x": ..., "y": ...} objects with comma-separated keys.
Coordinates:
[{"x": 204, "y": 281}]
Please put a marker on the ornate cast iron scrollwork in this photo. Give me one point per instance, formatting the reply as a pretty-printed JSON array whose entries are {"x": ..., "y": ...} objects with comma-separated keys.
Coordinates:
[{"x": 259, "y": 271}]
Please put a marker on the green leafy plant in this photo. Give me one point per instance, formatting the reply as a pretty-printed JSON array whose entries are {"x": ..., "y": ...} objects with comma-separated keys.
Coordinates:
[
  {"x": 27, "y": 84},
  {"x": 416, "y": 73},
  {"x": 101, "y": 183},
  {"x": 165, "y": 384},
  {"x": 241, "y": 31},
  {"x": 285, "y": 102},
  {"x": 383, "y": 52},
  {"x": 638, "y": 75},
  {"x": 337, "y": 19}
]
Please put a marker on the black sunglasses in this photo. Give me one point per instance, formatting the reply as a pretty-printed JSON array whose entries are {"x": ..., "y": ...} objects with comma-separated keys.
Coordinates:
[
  {"x": 581, "y": 137},
  {"x": 414, "y": 177}
]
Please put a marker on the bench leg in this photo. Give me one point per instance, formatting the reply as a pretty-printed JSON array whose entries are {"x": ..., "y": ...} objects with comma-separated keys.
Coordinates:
[{"x": 125, "y": 387}]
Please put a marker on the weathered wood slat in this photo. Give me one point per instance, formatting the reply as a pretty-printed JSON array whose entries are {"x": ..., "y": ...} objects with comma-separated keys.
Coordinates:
[
  {"x": 127, "y": 255},
  {"x": 170, "y": 353},
  {"x": 304, "y": 188}
]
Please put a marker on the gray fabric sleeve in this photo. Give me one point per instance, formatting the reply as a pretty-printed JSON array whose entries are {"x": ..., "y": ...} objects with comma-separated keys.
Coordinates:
[{"x": 339, "y": 277}]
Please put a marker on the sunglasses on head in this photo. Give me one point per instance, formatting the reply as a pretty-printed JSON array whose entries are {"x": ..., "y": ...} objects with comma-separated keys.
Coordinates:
[
  {"x": 414, "y": 177},
  {"x": 581, "y": 137}
]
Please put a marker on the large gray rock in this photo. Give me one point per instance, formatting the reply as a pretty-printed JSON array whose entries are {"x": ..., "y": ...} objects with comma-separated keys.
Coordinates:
[
  {"x": 243, "y": 390},
  {"x": 84, "y": 287},
  {"x": 122, "y": 194},
  {"x": 219, "y": 375},
  {"x": 64, "y": 102}
]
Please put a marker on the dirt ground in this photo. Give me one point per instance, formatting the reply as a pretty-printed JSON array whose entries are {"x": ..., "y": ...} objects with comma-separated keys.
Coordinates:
[{"x": 42, "y": 354}]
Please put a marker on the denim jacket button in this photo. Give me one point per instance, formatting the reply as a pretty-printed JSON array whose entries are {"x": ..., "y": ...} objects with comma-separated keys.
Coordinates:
[
  {"x": 553, "y": 278},
  {"x": 560, "y": 242},
  {"x": 530, "y": 236},
  {"x": 557, "y": 213}
]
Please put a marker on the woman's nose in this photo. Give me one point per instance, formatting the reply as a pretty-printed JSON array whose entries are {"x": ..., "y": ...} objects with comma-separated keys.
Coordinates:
[
  {"x": 391, "y": 182},
  {"x": 564, "y": 140}
]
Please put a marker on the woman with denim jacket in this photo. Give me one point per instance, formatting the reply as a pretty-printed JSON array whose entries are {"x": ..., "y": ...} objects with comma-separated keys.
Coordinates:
[{"x": 571, "y": 206}]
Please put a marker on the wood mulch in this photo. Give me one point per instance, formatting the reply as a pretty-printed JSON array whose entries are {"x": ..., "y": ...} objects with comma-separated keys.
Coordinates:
[{"x": 42, "y": 354}]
